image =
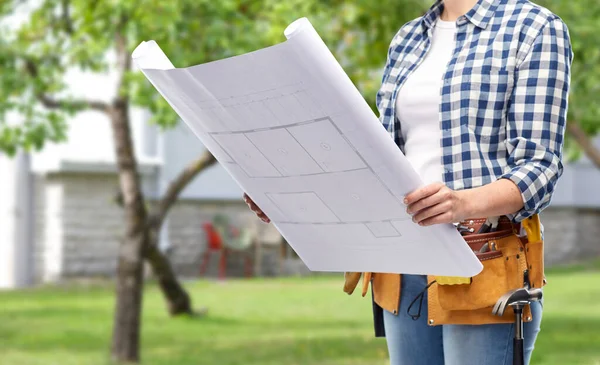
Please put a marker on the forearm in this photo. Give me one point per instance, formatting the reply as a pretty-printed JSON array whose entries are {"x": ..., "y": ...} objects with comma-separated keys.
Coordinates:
[{"x": 498, "y": 198}]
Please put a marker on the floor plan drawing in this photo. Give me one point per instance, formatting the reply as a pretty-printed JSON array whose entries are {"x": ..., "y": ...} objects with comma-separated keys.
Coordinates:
[
  {"x": 305, "y": 148},
  {"x": 292, "y": 130}
]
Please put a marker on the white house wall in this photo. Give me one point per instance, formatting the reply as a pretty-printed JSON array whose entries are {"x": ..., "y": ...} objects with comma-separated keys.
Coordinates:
[
  {"x": 16, "y": 215},
  {"x": 8, "y": 224}
]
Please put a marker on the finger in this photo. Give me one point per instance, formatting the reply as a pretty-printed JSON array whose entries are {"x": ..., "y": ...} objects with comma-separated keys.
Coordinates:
[
  {"x": 432, "y": 211},
  {"x": 252, "y": 205},
  {"x": 422, "y": 193},
  {"x": 261, "y": 214},
  {"x": 438, "y": 219},
  {"x": 427, "y": 202},
  {"x": 248, "y": 199}
]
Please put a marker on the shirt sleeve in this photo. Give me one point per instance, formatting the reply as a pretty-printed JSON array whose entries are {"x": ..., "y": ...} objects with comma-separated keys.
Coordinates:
[
  {"x": 384, "y": 93},
  {"x": 536, "y": 118}
]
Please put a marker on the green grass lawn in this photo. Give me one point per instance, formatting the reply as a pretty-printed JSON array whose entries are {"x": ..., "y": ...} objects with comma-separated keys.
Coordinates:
[{"x": 280, "y": 321}]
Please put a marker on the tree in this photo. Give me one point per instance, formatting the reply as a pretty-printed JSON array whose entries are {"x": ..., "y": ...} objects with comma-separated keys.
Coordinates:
[
  {"x": 34, "y": 59},
  {"x": 99, "y": 35},
  {"x": 582, "y": 19}
]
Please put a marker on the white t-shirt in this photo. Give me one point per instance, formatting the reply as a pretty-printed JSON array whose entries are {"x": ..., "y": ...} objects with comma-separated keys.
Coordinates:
[{"x": 418, "y": 103}]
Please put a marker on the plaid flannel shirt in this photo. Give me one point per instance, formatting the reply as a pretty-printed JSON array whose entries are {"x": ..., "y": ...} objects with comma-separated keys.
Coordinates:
[{"x": 503, "y": 100}]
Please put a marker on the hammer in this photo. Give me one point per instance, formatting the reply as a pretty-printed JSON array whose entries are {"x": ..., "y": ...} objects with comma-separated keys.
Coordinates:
[{"x": 517, "y": 299}]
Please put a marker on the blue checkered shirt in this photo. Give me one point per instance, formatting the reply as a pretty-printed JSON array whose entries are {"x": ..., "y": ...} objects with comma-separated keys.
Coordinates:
[{"x": 503, "y": 100}]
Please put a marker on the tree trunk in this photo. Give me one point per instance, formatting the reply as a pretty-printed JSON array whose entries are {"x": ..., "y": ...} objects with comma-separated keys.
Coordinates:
[
  {"x": 126, "y": 330},
  {"x": 584, "y": 142},
  {"x": 178, "y": 300}
]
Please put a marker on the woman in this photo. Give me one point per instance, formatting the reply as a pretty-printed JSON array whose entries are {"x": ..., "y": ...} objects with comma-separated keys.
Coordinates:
[{"x": 475, "y": 95}]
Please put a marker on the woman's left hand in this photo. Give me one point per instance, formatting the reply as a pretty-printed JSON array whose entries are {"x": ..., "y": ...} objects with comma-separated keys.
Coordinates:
[{"x": 434, "y": 204}]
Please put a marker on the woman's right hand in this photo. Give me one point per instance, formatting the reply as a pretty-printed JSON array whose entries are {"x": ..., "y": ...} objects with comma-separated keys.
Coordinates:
[{"x": 256, "y": 209}]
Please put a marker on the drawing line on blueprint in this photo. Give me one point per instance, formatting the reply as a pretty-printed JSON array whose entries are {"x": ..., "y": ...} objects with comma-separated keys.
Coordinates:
[
  {"x": 245, "y": 133},
  {"x": 298, "y": 132},
  {"x": 365, "y": 162},
  {"x": 266, "y": 158},
  {"x": 308, "y": 153},
  {"x": 389, "y": 224},
  {"x": 342, "y": 222},
  {"x": 271, "y": 197},
  {"x": 271, "y": 104},
  {"x": 276, "y": 89},
  {"x": 309, "y": 121},
  {"x": 231, "y": 160},
  {"x": 302, "y": 175},
  {"x": 368, "y": 225}
]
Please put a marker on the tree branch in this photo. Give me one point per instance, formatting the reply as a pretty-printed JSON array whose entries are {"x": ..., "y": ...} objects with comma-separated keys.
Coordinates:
[
  {"x": 51, "y": 103},
  {"x": 72, "y": 104},
  {"x": 584, "y": 142},
  {"x": 178, "y": 184},
  {"x": 123, "y": 63},
  {"x": 66, "y": 16}
]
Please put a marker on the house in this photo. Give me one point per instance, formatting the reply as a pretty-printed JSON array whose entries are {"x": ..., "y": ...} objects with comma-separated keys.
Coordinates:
[{"x": 59, "y": 217}]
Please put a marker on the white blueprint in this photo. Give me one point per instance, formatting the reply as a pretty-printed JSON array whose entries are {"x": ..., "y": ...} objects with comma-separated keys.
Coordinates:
[{"x": 294, "y": 132}]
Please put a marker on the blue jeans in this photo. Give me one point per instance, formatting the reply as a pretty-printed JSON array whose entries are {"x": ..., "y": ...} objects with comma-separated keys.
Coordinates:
[{"x": 413, "y": 342}]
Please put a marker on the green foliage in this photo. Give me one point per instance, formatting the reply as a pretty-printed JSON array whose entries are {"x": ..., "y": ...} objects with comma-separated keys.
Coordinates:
[
  {"x": 81, "y": 34},
  {"x": 583, "y": 20},
  {"x": 35, "y": 56}
]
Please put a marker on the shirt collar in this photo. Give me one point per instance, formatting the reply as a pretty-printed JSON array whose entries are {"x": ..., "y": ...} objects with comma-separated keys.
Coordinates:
[{"x": 479, "y": 15}]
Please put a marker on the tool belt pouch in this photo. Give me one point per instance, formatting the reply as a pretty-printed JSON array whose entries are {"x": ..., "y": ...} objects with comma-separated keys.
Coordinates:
[
  {"x": 503, "y": 270},
  {"x": 534, "y": 252}
]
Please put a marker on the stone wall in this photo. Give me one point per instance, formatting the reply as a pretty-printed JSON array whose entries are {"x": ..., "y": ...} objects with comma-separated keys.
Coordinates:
[
  {"x": 78, "y": 225},
  {"x": 188, "y": 242},
  {"x": 78, "y": 228},
  {"x": 92, "y": 224},
  {"x": 570, "y": 234}
]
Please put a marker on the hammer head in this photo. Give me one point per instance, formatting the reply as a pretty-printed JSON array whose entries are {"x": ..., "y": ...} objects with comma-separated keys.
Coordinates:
[{"x": 521, "y": 296}]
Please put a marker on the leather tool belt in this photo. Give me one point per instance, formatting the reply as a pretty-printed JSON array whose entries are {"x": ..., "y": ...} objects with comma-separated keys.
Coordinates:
[
  {"x": 477, "y": 241},
  {"x": 509, "y": 262}
]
